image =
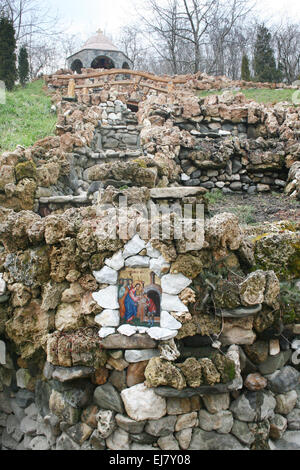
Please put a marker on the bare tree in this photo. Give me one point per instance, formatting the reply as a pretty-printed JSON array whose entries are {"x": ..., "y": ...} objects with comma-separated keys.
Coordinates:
[
  {"x": 131, "y": 41},
  {"x": 30, "y": 17},
  {"x": 161, "y": 25},
  {"x": 287, "y": 44},
  {"x": 37, "y": 28}
]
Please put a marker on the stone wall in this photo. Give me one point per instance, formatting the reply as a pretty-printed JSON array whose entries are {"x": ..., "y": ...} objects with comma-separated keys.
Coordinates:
[
  {"x": 219, "y": 373},
  {"x": 218, "y": 142},
  {"x": 224, "y": 142},
  {"x": 221, "y": 368}
]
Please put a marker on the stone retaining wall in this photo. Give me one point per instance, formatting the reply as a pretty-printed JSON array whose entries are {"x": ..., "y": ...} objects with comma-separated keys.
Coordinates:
[{"x": 219, "y": 372}]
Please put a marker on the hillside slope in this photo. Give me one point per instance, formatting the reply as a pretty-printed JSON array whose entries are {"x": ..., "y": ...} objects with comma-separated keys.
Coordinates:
[{"x": 26, "y": 117}]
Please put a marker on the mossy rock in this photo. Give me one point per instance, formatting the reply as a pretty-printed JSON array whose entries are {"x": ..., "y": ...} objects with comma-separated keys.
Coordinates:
[
  {"x": 161, "y": 372},
  {"x": 264, "y": 319},
  {"x": 289, "y": 303},
  {"x": 141, "y": 162},
  {"x": 25, "y": 170},
  {"x": 188, "y": 329},
  {"x": 192, "y": 371},
  {"x": 208, "y": 324},
  {"x": 280, "y": 253},
  {"x": 188, "y": 265},
  {"x": 227, "y": 295},
  {"x": 225, "y": 366},
  {"x": 210, "y": 374}
]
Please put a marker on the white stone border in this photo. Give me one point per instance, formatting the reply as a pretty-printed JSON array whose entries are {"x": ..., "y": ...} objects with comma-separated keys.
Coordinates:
[{"x": 172, "y": 285}]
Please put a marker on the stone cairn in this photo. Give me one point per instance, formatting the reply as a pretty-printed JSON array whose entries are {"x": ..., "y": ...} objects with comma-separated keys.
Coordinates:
[{"x": 221, "y": 371}]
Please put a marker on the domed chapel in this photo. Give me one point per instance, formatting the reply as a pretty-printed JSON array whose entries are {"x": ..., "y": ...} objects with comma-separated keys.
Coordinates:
[{"x": 98, "y": 52}]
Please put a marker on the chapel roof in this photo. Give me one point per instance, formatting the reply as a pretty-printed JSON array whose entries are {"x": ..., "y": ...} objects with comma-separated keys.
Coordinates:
[{"x": 99, "y": 41}]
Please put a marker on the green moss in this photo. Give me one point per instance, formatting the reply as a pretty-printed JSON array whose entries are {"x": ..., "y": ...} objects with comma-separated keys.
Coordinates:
[
  {"x": 225, "y": 366},
  {"x": 141, "y": 162},
  {"x": 25, "y": 170},
  {"x": 294, "y": 261},
  {"x": 289, "y": 303}
]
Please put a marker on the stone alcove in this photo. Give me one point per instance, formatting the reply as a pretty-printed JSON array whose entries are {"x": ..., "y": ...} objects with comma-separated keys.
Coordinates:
[{"x": 162, "y": 289}]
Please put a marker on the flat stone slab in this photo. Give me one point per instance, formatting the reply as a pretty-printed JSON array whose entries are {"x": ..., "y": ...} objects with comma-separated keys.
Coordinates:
[
  {"x": 2, "y": 353},
  {"x": 125, "y": 342},
  {"x": 177, "y": 193},
  {"x": 64, "y": 199},
  {"x": 65, "y": 374},
  {"x": 188, "y": 392}
]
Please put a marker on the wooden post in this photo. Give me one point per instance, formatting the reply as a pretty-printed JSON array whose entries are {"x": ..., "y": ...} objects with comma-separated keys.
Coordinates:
[{"x": 71, "y": 89}]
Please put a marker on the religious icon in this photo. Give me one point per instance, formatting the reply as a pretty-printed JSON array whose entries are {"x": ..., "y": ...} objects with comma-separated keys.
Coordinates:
[{"x": 139, "y": 297}]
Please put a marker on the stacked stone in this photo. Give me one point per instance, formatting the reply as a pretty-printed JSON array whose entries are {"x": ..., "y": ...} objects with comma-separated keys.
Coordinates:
[{"x": 68, "y": 412}]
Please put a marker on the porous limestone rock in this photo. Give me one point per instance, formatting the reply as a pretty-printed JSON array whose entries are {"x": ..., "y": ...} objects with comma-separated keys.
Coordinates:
[
  {"x": 160, "y": 372},
  {"x": 225, "y": 366},
  {"x": 187, "y": 265},
  {"x": 192, "y": 372},
  {"x": 168, "y": 350},
  {"x": 29, "y": 328},
  {"x": 252, "y": 290},
  {"x": 210, "y": 374},
  {"x": 223, "y": 232}
]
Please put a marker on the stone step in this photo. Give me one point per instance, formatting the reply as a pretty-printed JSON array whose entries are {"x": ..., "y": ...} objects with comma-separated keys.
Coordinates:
[{"x": 177, "y": 192}]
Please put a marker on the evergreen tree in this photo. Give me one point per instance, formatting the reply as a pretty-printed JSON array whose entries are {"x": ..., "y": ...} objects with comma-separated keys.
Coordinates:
[
  {"x": 264, "y": 63},
  {"x": 23, "y": 66},
  {"x": 246, "y": 69},
  {"x": 8, "y": 69}
]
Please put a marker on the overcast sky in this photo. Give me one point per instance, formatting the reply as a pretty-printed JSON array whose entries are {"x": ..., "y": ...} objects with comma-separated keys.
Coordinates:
[{"x": 86, "y": 16}]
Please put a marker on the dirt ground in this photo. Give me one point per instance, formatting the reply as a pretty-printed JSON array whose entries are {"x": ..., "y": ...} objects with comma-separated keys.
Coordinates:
[{"x": 253, "y": 209}]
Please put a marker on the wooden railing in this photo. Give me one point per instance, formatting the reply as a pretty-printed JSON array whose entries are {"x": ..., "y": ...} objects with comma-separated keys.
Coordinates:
[
  {"x": 167, "y": 83},
  {"x": 148, "y": 76}
]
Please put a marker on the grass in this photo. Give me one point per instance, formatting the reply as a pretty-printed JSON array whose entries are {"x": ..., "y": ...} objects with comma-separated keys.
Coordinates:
[
  {"x": 260, "y": 95},
  {"x": 214, "y": 196},
  {"x": 26, "y": 116},
  {"x": 245, "y": 214}
]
